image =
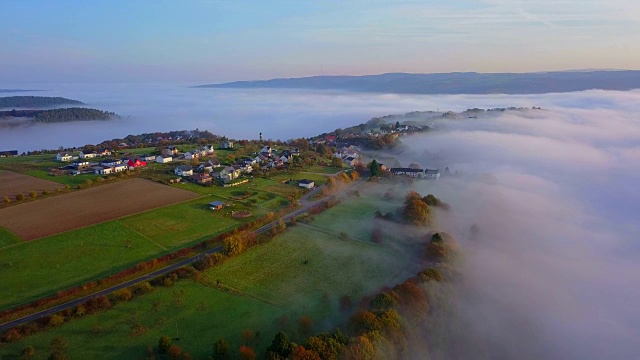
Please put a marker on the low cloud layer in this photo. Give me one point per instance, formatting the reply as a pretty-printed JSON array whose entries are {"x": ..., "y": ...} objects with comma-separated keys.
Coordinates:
[{"x": 555, "y": 270}]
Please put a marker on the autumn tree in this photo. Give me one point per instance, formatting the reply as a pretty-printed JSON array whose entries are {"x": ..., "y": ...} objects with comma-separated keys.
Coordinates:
[
  {"x": 336, "y": 162},
  {"x": 233, "y": 245},
  {"x": 384, "y": 301},
  {"x": 20, "y": 196},
  {"x": 360, "y": 348},
  {"x": 247, "y": 335},
  {"x": 331, "y": 183},
  {"x": 281, "y": 346},
  {"x": 28, "y": 353},
  {"x": 415, "y": 211},
  {"x": 57, "y": 348},
  {"x": 247, "y": 353},
  {"x": 7, "y": 200},
  {"x": 355, "y": 176},
  {"x": 300, "y": 353},
  {"x": 221, "y": 350},
  {"x": 305, "y": 325}
]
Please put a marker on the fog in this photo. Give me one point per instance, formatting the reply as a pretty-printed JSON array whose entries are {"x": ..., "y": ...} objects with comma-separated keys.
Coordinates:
[
  {"x": 555, "y": 270},
  {"x": 237, "y": 113}
]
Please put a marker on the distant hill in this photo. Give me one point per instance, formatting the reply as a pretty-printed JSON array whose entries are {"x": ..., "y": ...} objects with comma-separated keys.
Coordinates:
[
  {"x": 35, "y": 101},
  {"x": 458, "y": 83},
  {"x": 16, "y": 90}
]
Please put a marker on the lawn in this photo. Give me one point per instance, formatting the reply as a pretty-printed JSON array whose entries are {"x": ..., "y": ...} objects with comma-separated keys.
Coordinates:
[
  {"x": 318, "y": 179},
  {"x": 8, "y": 238},
  {"x": 41, "y": 267},
  {"x": 300, "y": 273},
  {"x": 324, "y": 169},
  {"x": 267, "y": 193}
]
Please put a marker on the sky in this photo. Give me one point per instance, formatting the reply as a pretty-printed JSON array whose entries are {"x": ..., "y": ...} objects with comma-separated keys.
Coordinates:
[{"x": 217, "y": 40}]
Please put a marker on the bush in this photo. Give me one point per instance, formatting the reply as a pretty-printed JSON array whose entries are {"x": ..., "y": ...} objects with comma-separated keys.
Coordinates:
[
  {"x": 33, "y": 194},
  {"x": 19, "y": 196},
  {"x": 7, "y": 200}
]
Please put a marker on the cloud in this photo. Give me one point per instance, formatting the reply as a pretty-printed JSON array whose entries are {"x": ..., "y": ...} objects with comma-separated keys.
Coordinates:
[{"x": 554, "y": 272}]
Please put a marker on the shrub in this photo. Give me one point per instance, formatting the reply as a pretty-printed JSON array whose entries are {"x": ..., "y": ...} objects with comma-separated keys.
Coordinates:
[
  {"x": 19, "y": 196},
  {"x": 33, "y": 194}
]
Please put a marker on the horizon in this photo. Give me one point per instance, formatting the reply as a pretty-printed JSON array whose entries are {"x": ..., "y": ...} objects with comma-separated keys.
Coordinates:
[{"x": 217, "y": 41}]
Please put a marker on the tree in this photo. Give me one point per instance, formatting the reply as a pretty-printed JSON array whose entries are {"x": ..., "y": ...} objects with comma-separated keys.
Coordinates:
[
  {"x": 233, "y": 245},
  {"x": 221, "y": 349},
  {"x": 28, "y": 353},
  {"x": 33, "y": 194},
  {"x": 57, "y": 347},
  {"x": 7, "y": 200},
  {"x": 331, "y": 183},
  {"x": 415, "y": 211},
  {"x": 164, "y": 343},
  {"x": 384, "y": 301},
  {"x": 20, "y": 196},
  {"x": 247, "y": 335},
  {"x": 305, "y": 325},
  {"x": 281, "y": 345},
  {"x": 397, "y": 125},
  {"x": 431, "y": 200},
  {"x": 300, "y": 353},
  {"x": 355, "y": 175},
  {"x": 375, "y": 168},
  {"x": 336, "y": 162},
  {"x": 247, "y": 353},
  {"x": 56, "y": 320}
]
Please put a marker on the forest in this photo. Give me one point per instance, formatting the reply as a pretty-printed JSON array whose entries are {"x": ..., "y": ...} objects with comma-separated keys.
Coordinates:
[
  {"x": 60, "y": 115},
  {"x": 35, "y": 101}
]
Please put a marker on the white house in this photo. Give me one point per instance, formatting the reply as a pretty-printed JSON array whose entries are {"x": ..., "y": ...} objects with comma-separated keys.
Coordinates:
[
  {"x": 102, "y": 170},
  {"x": 307, "y": 184},
  {"x": 104, "y": 152},
  {"x": 111, "y": 162},
  {"x": 227, "y": 144},
  {"x": 209, "y": 149},
  {"x": 432, "y": 174},
  {"x": 414, "y": 173},
  {"x": 163, "y": 159},
  {"x": 350, "y": 161},
  {"x": 229, "y": 173},
  {"x": 191, "y": 155},
  {"x": 87, "y": 155},
  {"x": 120, "y": 167},
  {"x": 183, "y": 170},
  {"x": 148, "y": 157},
  {"x": 266, "y": 150},
  {"x": 64, "y": 157}
]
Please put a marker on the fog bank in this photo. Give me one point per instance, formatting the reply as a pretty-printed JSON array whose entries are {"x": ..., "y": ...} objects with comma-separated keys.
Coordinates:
[{"x": 554, "y": 270}]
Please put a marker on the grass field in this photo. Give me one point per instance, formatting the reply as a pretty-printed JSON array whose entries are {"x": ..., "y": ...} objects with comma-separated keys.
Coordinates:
[
  {"x": 360, "y": 214},
  {"x": 8, "y": 238},
  {"x": 324, "y": 169},
  {"x": 270, "y": 281}
]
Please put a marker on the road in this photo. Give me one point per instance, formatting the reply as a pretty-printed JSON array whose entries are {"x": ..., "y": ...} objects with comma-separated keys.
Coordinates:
[{"x": 305, "y": 205}]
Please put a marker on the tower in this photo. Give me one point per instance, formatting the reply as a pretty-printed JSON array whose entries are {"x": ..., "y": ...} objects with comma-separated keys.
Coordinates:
[{"x": 260, "y": 137}]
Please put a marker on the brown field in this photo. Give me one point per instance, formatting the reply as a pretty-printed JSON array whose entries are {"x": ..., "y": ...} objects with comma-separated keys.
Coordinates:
[
  {"x": 60, "y": 213},
  {"x": 12, "y": 183}
]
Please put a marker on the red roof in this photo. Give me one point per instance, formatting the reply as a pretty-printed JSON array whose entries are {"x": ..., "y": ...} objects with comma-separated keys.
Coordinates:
[
  {"x": 330, "y": 138},
  {"x": 136, "y": 163}
]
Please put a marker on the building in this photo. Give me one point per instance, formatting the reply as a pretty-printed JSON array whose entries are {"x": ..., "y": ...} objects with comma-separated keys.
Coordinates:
[
  {"x": 216, "y": 205},
  {"x": 192, "y": 155},
  {"x": 226, "y": 144},
  {"x": 432, "y": 174},
  {"x": 183, "y": 170},
  {"x": 136, "y": 163},
  {"x": 111, "y": 162},
  {"x": 120, "y": 167},
  {"x": 209, "y": 149},
  {"x": 415, "y": 166},
  {"x": 104, "y": 152},
  {"x": 9, "y": 153},
  {"x": 229, "y": 173},
  {"x": 87, "y": 155},
  {"x": 170, "y": 151},
  {"x": 307, "y": 184},
  {"x": 102, "y": 170},
  {"x": 64, "y": 156},
  {"x": 414, "y": 173},
  {"x": 202, "y": 179},
  {"x": 163, "y": 159},
  {"x": 147, "y": 157}
]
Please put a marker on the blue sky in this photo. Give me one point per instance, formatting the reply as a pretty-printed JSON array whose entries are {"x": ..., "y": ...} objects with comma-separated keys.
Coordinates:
[{"x": 217, "y": 40}]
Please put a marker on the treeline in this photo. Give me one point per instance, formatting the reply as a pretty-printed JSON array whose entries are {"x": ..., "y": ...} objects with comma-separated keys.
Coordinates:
[
  {"x": 35, "y": 101},
  {"x": 73, "y": 114}
]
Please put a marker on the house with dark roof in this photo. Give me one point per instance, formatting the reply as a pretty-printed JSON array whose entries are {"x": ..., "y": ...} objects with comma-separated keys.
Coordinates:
[
  {"x": 202, "y": 179},
  {"x": 414, "y": 173},
  {"x": 432, "y": 174},
  {"x": 306, "y": 183},
  {"x": 183, "y": 170},
  {"x": 216, "y": 205}
]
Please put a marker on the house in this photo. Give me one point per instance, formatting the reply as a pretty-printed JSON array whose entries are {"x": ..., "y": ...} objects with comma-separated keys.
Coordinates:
[
  {"x": 209, "y": 149},
  {"x": 330, "y": 138},
  {"x": 163, "y": 159},
  {"x": 432, "y": 174},
  {"x": 104, "y": 152},
  {"x": 64, "y": 156},
  {"x": 202, "y": 179},
  {"x": 216, "y": 205},
  {"x": 229, "y": 173},
  {"x": 111, "y": 162},
  {"x": 183, "y": 170},
  {"x": 414, "y": 166},
  {"x": 191, "y": 155},
  {"x": 102, "y": 170},
  {"x": 307, "y": 184},
  {"x": 87, "y": 155},
  {"x": 136, "y": 163},
  {"x": 80, "y": 163},
  {"x": 205, "y": 167},
  {"x": 226, "y": 144},
  {"x": 120, "y": 167},
  {"x": 266, "y": 150},
  {"x": 351, "y": 161},
  {"x": 147, "y": 157},
  {"x": 170, "y": 151},
  {"x": 285, "y": 158},
  {"x": 414, "y": 173}
]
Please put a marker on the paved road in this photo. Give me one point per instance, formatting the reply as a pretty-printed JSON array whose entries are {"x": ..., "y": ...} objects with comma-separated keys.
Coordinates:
[{"x": 305, "y": 203}]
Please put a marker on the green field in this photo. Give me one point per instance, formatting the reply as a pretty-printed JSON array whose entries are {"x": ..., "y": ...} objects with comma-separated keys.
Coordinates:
[
  {"x": 300, "y": 273},
  {"x": 324, "y": 169},
  {"x": 8, "y": 238}
]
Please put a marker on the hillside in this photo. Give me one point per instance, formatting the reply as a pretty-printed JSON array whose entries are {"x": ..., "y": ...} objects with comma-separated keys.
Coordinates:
[
  {"x": 56, "y": 115},
  {"x": 35, "y": 101},
  {"x": 457, "y": 83}
]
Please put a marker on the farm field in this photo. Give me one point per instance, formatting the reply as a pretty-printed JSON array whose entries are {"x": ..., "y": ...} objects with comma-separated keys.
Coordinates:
[
  {"x": 273, "y": 288},
  {"x": 39, "y": 166},
  {"x": 53, "y": 215},
  {"x": 12, "y": 183}
]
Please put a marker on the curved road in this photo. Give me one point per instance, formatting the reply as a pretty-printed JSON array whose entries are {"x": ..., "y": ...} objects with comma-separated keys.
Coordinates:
[{"x": 305, "y": 203}]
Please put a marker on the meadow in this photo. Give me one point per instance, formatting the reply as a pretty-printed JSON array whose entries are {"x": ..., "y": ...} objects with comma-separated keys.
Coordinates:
[{"x": 270, "y": 287}]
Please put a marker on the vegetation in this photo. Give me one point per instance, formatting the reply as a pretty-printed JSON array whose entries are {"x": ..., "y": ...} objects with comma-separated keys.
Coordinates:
[
  {"x": 35, "y": 101},
  {"x": 416, "y": 211}
]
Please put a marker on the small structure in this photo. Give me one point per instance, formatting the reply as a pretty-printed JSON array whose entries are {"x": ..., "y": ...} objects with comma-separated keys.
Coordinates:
[
  {"x": 120, "y": 167},
  {"x": 306, "y": 183},
  {"x": 351, "y": 161},
  {"x": 432, "y": 174},
  {"x": 9, "y": 153},
  {"x": 104, "y": 152},
  {"x": 414, "y": 173},
  {"x": 147, "y": 157},
  {"x": 209, "y": 149},
  {"x": 111, "y": 162},
  {"x": 170, "y": 151},
  {"x": 102, "y": 170},
  {"x": 183, "y": 170},
  {"x": 163, "y": 159},
  {"x": 64, "y": 157},
  {"x": 216, "y": 205},
  {"x": 226, "y": 144},
  {"x": 87, "y": 155},
  {"x": 192, "y": 155}
]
